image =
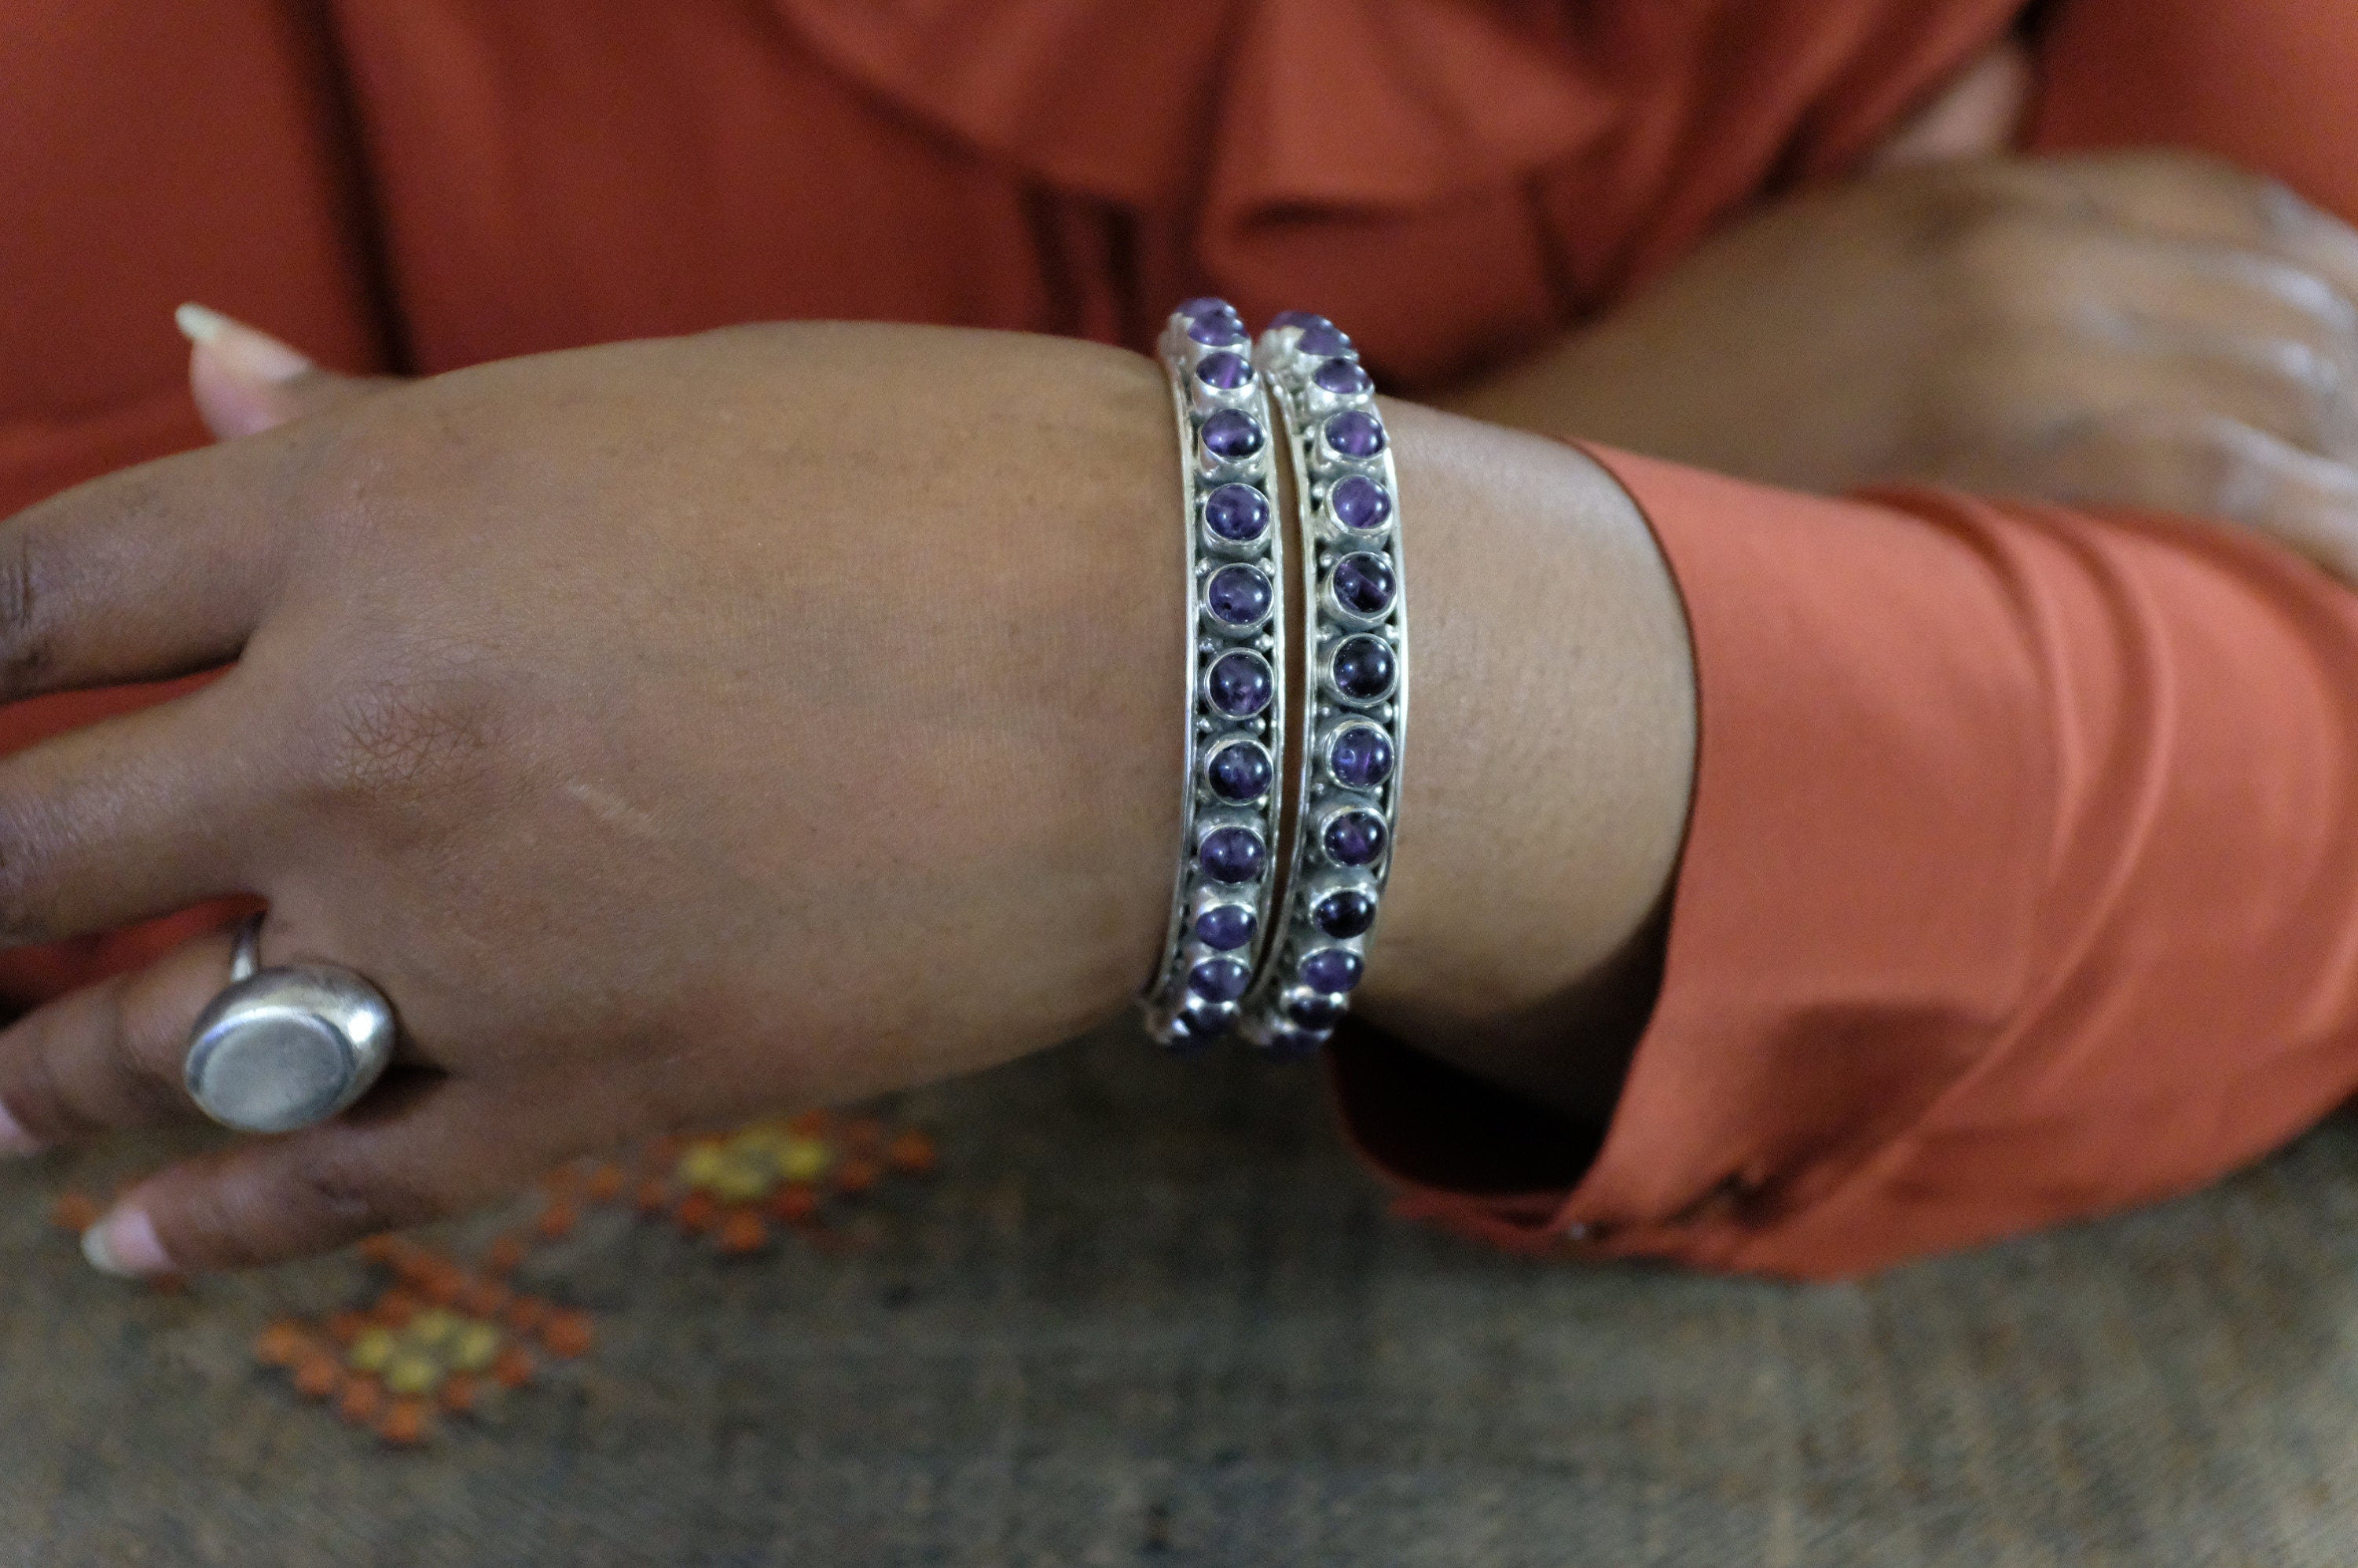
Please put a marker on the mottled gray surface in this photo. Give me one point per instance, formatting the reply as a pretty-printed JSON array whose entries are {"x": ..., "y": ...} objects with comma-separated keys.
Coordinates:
[{"x": 1152, "y": 1313}]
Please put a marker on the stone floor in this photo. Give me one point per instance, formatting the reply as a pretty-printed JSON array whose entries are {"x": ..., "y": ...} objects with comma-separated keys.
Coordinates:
[{"x": 1153, "y": 1313}]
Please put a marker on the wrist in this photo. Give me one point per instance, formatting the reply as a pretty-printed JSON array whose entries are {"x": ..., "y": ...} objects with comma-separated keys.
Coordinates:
[{"x": 1548, "y": 769}]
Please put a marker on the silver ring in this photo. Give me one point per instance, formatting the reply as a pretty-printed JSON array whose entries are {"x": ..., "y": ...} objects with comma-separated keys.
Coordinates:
[{"x": 286, "y": 1048}]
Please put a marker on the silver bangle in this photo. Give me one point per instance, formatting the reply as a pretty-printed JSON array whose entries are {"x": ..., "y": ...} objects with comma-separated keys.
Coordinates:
[
  {"x": 1236, "y": 680},
  {"x": 1355, "y": 710}
]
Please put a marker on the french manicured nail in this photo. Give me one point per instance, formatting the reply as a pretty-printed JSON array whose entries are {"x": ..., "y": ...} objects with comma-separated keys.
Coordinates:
[
  {"x": 13, "y": 1139},
  {"x": 240, "y": 346},
  {"x": 124, "y": 1244}
]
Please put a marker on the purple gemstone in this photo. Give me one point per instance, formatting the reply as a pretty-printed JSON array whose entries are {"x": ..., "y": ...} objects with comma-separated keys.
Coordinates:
[
  {"x": 1231, "y": 435},
  {"x": 1239, "y": 771},
  {"x": 1323, "y": 340},
  {"x": 1225, "y": 927},
  {"x": 1205, "y": 1021},
  {"x": 1232, "y": 855},
  {"x": 1363, "y": 668},
  {"x": 1355, "y": 433},
  {"x": 1216, "y": 331},
  {"x": 1344, "y": 378},
  {"x": 1219, "y": 980},
  {"x": 1332, "y": 969},
  {"x": 1240, "y": 684},
  {"x": 1239, "y": 595},
  {"x": 1206, "y": 305},
  {"x": 1360, "y": 756},
  {"x": 1299, "y": 319},
  {"x": 1316, "y": 1009},
  {"x": 1363, "y": 583},
  {"x": 1358, "y": 501},
  {"x": 1237, "y": 513},
  {"x": 1343, "y": 913},
  {"x": 1354, "y": 837},
  {"x": 1224, "y": 370},
  {"x": 1294, "y": 1043}
]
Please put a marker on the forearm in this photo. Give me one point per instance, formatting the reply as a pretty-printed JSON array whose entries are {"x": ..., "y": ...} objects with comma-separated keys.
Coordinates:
[
  {"x": 1548, "y": 758},
  {"x": 1550, "y": 761}
]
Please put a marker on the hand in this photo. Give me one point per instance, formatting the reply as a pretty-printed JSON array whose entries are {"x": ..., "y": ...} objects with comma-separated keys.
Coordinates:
[
  {"x": 673, "y": 730},
  {"x": 2144, "y": 329}
]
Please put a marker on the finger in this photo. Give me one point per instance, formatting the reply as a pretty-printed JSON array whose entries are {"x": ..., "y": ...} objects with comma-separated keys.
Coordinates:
[
  {"x": 245, "y": 381},
  {"x": 144, "y": 574},
  {"x": 2188, "y": 197},
  {"x": 2280, "y": 387},
  {"x": 2134, "y": 320},
  {"x": 138, "y": 816},
  {"x": 108, "y": 1056},
  {"x": 410, "y": 1152},
  {"x": 2202, "y": 466}
]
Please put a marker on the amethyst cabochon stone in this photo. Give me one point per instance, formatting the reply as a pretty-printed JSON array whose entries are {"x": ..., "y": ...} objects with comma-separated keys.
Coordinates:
[
  {"x": 1233, "y": 435},
  {"x": 1315, "y": 1009},
  {"x": 1354, "y": 837},
  {"x": 1323, "y": 339},
  {"x": 1241, "y": 772},
  {"x": 1358, "y": 501},
  {"x": 1344, "y": 378},
  {"x": 1332, "y": 969},
  {"x": 1240, "y": 684},
  {"x": 1225, "y": 927},
  {"x": 1219, "y": 980},
  {"x": 1206, "y": 305},
  {"x": 1360, "y": 756},
  {"x": 1236, "y": 512},
  {"x": 1239, "y": 596},
  {"x": 1343, "y": 913},
  {"x": 1355, "y": 433},
  {"x": 1363, "y": 584},
  {"x": 1224, "y": 370},
  {"x": 1218, "y": 331},
  {"x": 1364, "y": 668},
  {"x": 1232, "y": 855}
]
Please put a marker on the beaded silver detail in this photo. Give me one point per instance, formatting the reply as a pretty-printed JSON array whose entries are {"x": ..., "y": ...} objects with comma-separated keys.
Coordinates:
[
  {"x": 1236, "y": 680},
  {"x": 1347, "y": 504}
]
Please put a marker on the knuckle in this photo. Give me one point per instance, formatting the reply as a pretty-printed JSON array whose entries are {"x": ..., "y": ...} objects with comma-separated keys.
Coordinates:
[
  {"x": 1947, "y": 209},
  {"x": 401, "y": 739},
  {"x": 335, "y": 1195},
  {"x": 28, "y": 842},
  {"x": 309, "y": 1202},
  {"x": 25, "y": 650},
  {"x": 2279, "y": 214},
  {"x": 30, "y": 1088},
  {"x": 149, "y": 1088}
]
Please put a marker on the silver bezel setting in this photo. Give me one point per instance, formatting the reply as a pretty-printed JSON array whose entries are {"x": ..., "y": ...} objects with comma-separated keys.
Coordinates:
[
  {"x": 1174, "y": 1015},
  {"x": 1304, "y": 408}
]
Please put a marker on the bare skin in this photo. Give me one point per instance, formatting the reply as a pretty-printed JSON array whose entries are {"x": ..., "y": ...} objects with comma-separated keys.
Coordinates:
[
  {"x": 678, "y": 730},
  {"x": 683, "y": 729},
  {"x": 2144, "y": 328}
]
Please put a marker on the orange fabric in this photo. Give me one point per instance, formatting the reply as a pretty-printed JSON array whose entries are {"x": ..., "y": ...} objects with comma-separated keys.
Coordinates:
[{"x": 1988, "y": 917}]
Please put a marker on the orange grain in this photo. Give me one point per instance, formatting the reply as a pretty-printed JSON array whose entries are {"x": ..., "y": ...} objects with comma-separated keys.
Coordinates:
[
  {"x": 741, "y": 1231},
  {"x": 363, "y": 1397},
  {"x": 912, "y": 1152},
  {"x": 567, "y": 1334},
  {"x": 513, "y": 1368},
  {"x": 404, "y": 1425}
]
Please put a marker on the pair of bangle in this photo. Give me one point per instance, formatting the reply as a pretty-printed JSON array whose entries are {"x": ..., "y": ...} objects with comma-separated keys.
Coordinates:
[{"x": 1310, "y": 840}]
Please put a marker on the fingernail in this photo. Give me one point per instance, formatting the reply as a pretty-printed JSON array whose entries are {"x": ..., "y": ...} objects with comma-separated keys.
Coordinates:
[
  {"x": 240, "y": 346},
  {"x": 124, "y": 1244},
  {"x": 13, "y": 1139}
]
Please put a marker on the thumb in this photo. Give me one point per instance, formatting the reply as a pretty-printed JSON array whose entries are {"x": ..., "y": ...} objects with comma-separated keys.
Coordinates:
[{"x": 246, "y": 381}]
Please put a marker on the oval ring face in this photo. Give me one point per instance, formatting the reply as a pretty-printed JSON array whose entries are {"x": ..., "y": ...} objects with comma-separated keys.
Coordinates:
[{"x": 286, "y": 1048}]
